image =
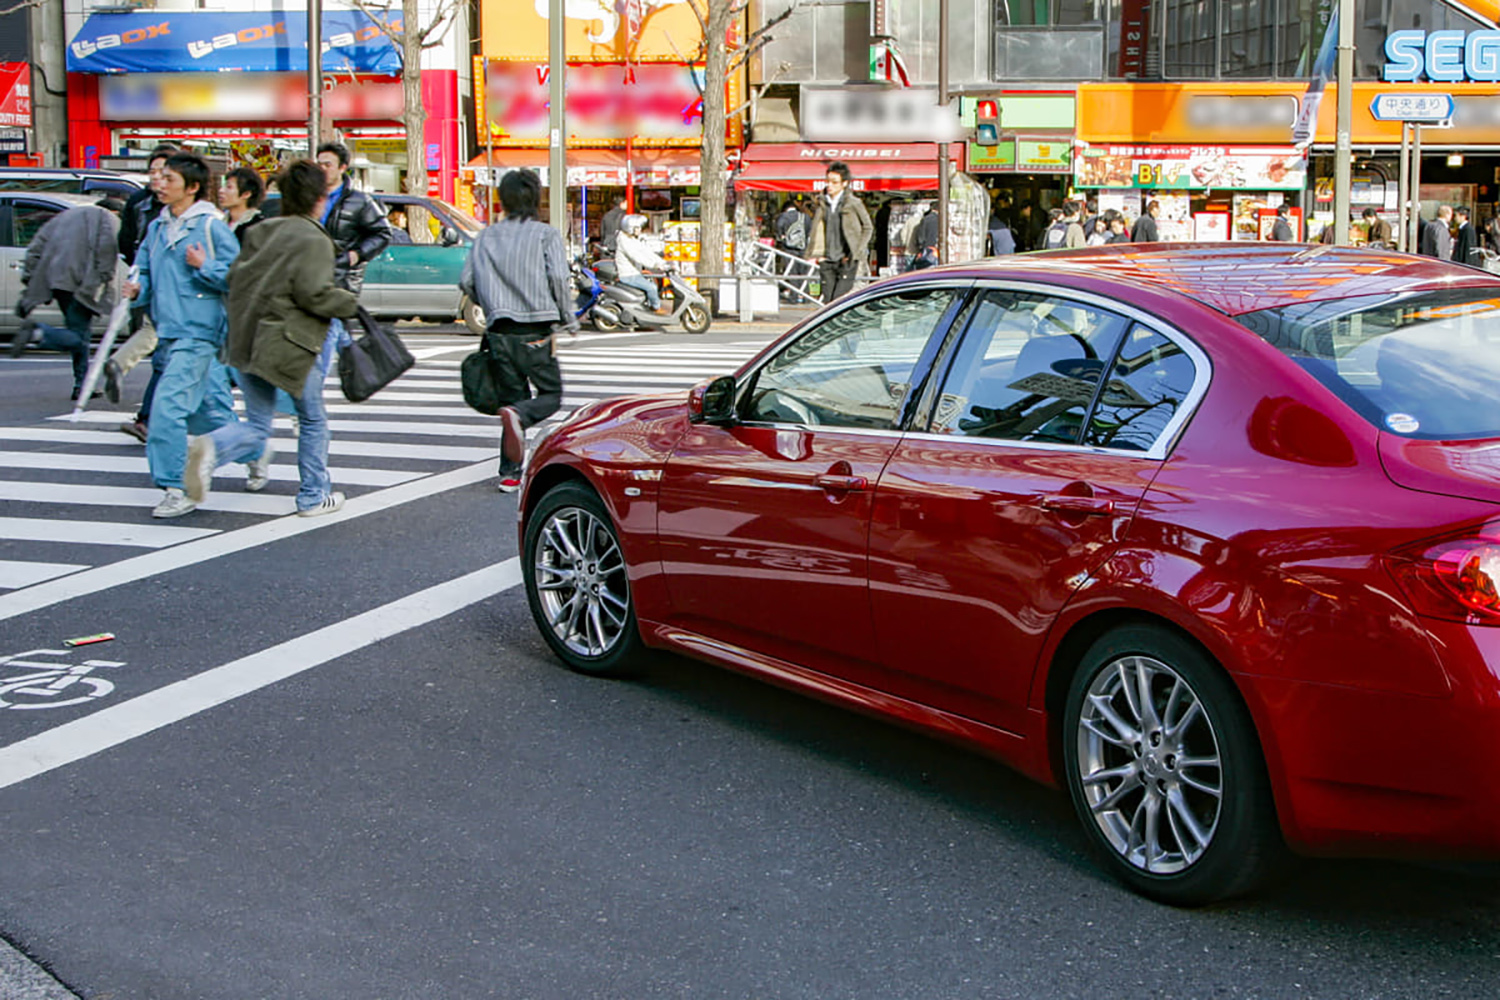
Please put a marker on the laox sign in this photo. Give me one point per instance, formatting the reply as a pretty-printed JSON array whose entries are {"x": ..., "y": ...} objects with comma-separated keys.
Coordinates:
[{"x": 1444, "y": 56}]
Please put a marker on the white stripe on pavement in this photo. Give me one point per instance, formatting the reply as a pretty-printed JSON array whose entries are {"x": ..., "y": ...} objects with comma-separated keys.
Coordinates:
[
  {"x": 284, "y": 446},
  {"x": 110, "y": 727},
  {"x": 14, "y": 575},
  {"x": 126, "y": 496},
  {"x": 146, "y": 536},
  {"x": 136, "y": 465},
  {"x": 150, "y": 564}
]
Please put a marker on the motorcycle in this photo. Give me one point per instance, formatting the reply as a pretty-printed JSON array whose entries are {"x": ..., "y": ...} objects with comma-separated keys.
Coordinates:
[
  {"x": 590, "y": 292},
  {"x": 621, "y": 307}
]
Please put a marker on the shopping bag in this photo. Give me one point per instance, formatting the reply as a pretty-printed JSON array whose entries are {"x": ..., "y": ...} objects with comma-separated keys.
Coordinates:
[{"x": 373, "y": 361}]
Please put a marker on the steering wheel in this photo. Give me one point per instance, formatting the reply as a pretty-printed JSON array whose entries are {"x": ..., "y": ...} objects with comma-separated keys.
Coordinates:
[{"x": 773, "y": 404}]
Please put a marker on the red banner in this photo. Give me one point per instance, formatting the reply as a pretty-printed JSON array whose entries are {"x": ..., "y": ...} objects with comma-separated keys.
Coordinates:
[
  {"x": 15, "y": 94},
  {"x": 1135, "y": 27}
]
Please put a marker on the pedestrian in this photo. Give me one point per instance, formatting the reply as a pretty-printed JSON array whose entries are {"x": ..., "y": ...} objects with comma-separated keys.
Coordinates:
[
  {"x": 518, "y": 272},
  {"x": 140, "y": 210},
  {"x": 1144, "y": 230},
  {"x": 923, "y": 245},
  {"x": 1055, "y": 237},
  {"x": 1117, "y": 233},
  {"x": 609, "y": 226},
  {"x": 1492, "y": 233},
  {"x": 1465, "y": 240},
  {"x": 184, "y": 262},
  {"x": 282, "y": 296},
  {"x": 71, "y": 261},
  {"x": 1436, "y": 240},
  {"x": 1002, "y": 239},
  {"x": 1377, "y": 230},
  {"x": 240, "y": 196},
  {"x": 1073, "y": 215},
  {"x": 632, "y": 256},
  {"x": 791, "y": 235},
  {"x": 1281, "y": 229},
  {"x": 841, "y": 232},
  {"x": 1099, "y": 231},
  {"x": 355, "y": 222}
]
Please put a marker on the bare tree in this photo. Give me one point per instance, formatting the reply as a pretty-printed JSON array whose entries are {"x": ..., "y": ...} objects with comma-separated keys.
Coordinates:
[{"x": 20, "y": 5}]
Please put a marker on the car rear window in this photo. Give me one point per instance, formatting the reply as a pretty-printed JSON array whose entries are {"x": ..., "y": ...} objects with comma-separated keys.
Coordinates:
[{"x": 1424, "y": 365}]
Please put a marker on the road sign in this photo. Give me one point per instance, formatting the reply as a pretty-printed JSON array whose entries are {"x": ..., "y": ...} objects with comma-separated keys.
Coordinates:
[{"x": 1412, "y": 107}]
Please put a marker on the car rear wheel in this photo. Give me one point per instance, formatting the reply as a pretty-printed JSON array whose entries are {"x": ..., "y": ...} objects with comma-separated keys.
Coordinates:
[
  {"x": 1165, "y": 771},
  {"x": 578, "y": 585},
  {"x": 472, "y": 316}
]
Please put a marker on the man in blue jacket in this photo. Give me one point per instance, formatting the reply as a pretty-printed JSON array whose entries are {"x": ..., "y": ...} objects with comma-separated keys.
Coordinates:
[{"x": 184, "y": 265}]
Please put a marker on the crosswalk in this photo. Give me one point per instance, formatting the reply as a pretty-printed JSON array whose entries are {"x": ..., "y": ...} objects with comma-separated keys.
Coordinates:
[{"x": 75, "y": 495}]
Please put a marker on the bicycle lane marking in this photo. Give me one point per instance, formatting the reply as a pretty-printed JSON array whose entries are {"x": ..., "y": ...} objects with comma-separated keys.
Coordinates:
[
  {"x": 109, "y": 727},
  {"x": 115, "y": 574}
]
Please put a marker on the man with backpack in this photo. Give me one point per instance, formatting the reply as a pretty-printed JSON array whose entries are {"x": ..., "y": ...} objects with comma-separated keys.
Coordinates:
[
  {"x": 791, "y": 239},
  {"x": 1144, "y": 230},
  {"x": 1066, "y": 231}
]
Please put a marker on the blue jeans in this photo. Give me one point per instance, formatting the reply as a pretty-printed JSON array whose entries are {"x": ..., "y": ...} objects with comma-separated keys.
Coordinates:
[
  {"x": 246, "y": 441},
  {"x": 75, "y": 339},
  {"x": 191, "y": 398},
  {"x": 653, "y": 294}
]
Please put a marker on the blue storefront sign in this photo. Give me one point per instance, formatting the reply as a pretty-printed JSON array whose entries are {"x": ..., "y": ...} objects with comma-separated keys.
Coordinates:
[
  {"x": 1442, "y": 56},
  {"x": 241, "y": 42}
]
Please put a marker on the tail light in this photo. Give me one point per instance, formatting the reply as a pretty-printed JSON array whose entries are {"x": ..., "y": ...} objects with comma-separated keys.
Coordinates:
[{"x": 1457, "y": 579}]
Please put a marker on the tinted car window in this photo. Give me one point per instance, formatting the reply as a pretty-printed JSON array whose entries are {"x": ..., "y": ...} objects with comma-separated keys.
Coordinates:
[
  {"x": 1027, "y": 368},
  {"x": 1422, "y": 366},
  {"x": 852, "y": 370},
  {"x": 61, "y": 184},
  {"x": 1148, "y": 382},
  {"x": 26, "y": 218}
]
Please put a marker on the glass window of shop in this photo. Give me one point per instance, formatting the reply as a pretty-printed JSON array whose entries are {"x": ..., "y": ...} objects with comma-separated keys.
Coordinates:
[{"x": 1279, "y": 39}]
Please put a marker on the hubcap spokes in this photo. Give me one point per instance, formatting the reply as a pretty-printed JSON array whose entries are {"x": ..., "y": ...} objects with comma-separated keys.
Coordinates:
[
  {"x": 581, "y": 581},
  {"x": 1149, "y": 762}
]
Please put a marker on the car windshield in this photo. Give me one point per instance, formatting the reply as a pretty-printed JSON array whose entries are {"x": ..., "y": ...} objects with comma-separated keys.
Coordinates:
[
  {"x": 467, "y": 224},
  {"x": 1423, "y": 365}
]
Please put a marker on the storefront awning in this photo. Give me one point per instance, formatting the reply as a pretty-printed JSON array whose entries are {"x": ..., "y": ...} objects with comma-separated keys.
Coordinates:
[
  {"x": 873, "y": 166},
  {"x": 602, "y": 167},
  {"x": 172, "y": 41}
]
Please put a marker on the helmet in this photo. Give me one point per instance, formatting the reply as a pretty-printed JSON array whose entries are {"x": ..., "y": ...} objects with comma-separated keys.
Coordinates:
[{"x": 633, "y": 224}]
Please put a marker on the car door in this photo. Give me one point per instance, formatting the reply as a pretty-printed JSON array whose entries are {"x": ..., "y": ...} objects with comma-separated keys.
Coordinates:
[
  {"x": 26, "y": 217},
  {"x": 10, "y": 272},
  {"x": 1023, "y": 481},
  {"x": 763, "y": 524}
]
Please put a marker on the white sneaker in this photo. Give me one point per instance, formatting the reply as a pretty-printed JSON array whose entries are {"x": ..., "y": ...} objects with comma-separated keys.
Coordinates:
[
  {"x": 174, "y": 504},
  {"x": 296, "y": 426},
  {"x": 198, "y": 477},
  {"x": 330, "y": 503},
  {"x": 260, "y": 470}
]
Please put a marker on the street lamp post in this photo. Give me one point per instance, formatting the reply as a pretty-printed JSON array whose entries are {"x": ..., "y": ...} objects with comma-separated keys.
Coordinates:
[
  {"x": 314, "y": 75},
  {"x": 1342, "y": 152},
  {"x": 557, "y": 160}
]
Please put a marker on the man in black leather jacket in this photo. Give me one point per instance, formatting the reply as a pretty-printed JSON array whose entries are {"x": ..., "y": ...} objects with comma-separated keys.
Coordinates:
[{"x": 357, "y": 224}]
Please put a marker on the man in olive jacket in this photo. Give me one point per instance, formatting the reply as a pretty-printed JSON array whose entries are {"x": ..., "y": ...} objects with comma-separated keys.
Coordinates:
[
  {"x": 841, "y": 247},
  {"x": 282, "y": 295}
]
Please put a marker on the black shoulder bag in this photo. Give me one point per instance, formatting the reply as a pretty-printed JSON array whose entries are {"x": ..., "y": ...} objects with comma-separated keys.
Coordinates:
[{"x": 373, "y": 361}]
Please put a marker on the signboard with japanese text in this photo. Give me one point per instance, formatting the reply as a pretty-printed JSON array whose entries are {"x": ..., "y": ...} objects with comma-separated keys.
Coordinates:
[
  {"x": 1423, "y": 107},
  {"x": 1192, "y": 167},
  {"x": 15, "y": 94},
  {"x": 1044, "y": 156},
  {"x": 234, "y": 97}
]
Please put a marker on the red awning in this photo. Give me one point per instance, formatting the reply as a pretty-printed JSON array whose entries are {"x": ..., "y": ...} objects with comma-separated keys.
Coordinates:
[{"x": 873, "y": 166}]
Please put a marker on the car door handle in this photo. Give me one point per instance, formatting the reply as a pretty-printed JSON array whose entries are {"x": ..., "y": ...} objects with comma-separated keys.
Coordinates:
[
  {"x": 841, "y": 484},
  {"x": 1078, "y": 505}
]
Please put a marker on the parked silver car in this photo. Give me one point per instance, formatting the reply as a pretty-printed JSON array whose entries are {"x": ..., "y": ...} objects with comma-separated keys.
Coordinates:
[{"x": 22, "y": 214}]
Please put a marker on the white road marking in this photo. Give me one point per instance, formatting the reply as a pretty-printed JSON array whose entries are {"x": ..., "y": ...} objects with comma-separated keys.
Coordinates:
[
  {"x": 114, "y": 574},
  {"x": 14, "y": 575},
  {"x": 128, "y": 496},
  {"x": 147, "y": 536},
  {"x": 110, "y": 464},
  {"x": 110, "y": 727},
  {"x": 284, "y": 445}
]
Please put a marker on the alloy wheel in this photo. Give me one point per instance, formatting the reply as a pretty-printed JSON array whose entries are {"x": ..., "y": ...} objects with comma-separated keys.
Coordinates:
[{"x": 581, "y": 582}]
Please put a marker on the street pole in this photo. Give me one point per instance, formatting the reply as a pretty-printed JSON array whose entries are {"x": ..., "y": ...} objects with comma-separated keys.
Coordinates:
[
  {"x": 1401, "y": 187},
  {"x": 489, "y": 151},
  {"x": 1342, "y": 152},
  {"x": 942, "y": 165},
  {"x": 557, "y": 161},
  {"x": 1416, "y": 187},
  {"x": 314, "y": 75}
]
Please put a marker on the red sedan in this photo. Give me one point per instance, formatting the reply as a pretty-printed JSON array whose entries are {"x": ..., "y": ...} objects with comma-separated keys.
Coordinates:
[{"x": 1208, "y": 534}]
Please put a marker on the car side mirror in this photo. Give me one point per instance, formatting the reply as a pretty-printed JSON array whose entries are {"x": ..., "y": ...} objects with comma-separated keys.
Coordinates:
[
  {"x": 712, "y": 402},
  {"x": 449, "y": 236}
]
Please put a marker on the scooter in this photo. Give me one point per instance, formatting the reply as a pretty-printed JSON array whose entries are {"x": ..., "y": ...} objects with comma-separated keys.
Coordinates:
[
  {"x": 624, "y": 307},
  {"x": 590, "y": 294}
]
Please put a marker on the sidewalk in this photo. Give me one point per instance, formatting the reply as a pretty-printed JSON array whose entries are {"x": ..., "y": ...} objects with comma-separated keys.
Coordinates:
[{"x": 23, "y": 979}]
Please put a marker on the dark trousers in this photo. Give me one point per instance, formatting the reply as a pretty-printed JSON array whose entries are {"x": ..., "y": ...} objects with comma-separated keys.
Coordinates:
[
  {"x": 74, "y": 339},
  {"x": 524, "y": 363},
  {"x": 158, "y": 365},
  {"x": 837, "y": 277}
]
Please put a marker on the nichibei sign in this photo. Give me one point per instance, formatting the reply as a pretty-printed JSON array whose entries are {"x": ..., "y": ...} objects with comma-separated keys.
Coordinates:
[{"x": 1442, "y": 56}]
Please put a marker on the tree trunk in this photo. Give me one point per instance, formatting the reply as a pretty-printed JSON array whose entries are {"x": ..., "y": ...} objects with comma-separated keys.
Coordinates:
[
  {"x": 712, "y": 162},
  {"x": 414, "y": 114}
]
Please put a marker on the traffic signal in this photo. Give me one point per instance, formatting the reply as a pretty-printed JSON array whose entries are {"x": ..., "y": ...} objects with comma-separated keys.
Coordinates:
[{"x": 987, "y": 123}]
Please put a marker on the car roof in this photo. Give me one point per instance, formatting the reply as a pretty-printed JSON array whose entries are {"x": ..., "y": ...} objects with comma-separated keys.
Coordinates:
[
  {"x": 1238, "y": 278},
  {"x": 62, "y": 198}
]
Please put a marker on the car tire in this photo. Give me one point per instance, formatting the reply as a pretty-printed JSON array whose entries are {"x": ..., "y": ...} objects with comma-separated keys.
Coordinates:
[
  {"x": 578, "y": 585},
  {"x": 472, "y": 316},
  {"x": 1167, "y": 822},
  {"x": 695, "y": 319}
]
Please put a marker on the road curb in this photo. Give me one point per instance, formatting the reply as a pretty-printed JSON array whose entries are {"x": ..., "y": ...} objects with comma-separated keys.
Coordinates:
[{"x": 23, "y": 979}]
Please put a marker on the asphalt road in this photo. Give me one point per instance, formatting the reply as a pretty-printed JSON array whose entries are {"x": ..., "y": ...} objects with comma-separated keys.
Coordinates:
[{"x": 342, "y": 764}]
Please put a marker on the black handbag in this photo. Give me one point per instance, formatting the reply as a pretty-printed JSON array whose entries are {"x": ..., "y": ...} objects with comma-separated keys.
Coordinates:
[
  {"x": 477, "y": 376},
  {"x": 373, "y": 361}
]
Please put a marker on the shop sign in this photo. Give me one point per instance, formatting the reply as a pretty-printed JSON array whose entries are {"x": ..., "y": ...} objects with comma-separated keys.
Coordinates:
[
  {"x": 606, "y": 103},
  {"x": 881, "y": 114},
  {"x": 1044, "y": 156},
  {"x": 231, "y": 97},
  {"x": 1188, "y": 167},
  {"x": 230, "y": 41},
  {"x": 636, "y": 31},
  {"x": 1000, "y": 157},
  {"x": 12, "y": 140},
  {"x": 1442, "y": 56},
  {"x": 15, "y": 95},
  {"x": 1425, "y": 107}
]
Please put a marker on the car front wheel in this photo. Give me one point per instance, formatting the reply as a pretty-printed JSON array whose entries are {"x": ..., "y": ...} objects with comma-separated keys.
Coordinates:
[
  {"x": 578, "y": 585},
  {"x": 471, "y": 315},
  {"x": 1165, "y": 770}
]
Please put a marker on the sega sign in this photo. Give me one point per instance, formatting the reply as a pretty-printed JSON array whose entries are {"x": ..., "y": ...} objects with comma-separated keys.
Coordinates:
[{"x": 1442, "y": 56}]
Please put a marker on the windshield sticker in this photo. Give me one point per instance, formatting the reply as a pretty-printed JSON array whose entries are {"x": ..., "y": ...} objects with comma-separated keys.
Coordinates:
[{"x": 1402, "y": 423}]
